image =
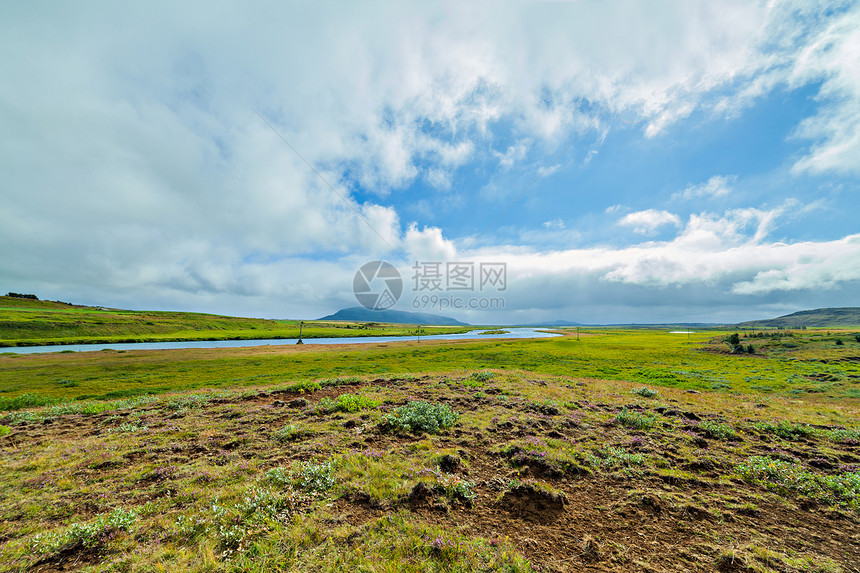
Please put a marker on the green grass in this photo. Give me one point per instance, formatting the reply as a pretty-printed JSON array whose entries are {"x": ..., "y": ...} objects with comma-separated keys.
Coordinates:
[
  {"x": 675, "y": 362},
  {"x": 229, "y": 476},
  {"x": 234, "y": 478}
]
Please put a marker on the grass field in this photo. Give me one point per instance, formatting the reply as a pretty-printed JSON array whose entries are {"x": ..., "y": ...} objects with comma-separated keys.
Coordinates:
[
  {"x": 626, "y": 450},
  {"x": 806, "y": 365},
  {"x": 29, "y": 323}
]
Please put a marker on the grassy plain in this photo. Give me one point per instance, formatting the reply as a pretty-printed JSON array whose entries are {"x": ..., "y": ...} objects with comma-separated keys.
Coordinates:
[
  {"x": 27, "y": 323},
  {"x": 622, "y": 451}
]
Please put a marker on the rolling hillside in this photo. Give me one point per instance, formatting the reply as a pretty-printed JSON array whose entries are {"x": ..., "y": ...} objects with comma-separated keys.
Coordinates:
[
  {"x": 818, "y": 318},
  {"x": 25, "y": 322}
]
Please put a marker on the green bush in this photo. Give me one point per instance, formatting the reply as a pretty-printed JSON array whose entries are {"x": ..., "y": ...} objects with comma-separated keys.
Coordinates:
[
  {"x": 610, "y": 457},
  {"x": 645, "y": 392},
  {"x": 420, "y": 416},
  {"x": 279, "y": 476},
  {"x": 313, "y": 477},
  {"x": 26, "y": 401},
  {"x": 287, "y": 433},
  {"x": 717, "y": 430},
  {"x": 786, "y": 477},
  {"x": 91, "y": 534},
  {"x": 786, "y": 430},
  {"x": 635, "y": 420},
  {"x": 843, "y": 435},
  {"x": 347, "y": 381},
  {"x": 308, "y": 476},
  {"x": 347, "y": 403},
  {"x": 300, "y": 387}
]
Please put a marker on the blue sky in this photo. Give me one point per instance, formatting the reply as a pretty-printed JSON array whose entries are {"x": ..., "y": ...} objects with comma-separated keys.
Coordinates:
[{"x": 626, "y": 161}]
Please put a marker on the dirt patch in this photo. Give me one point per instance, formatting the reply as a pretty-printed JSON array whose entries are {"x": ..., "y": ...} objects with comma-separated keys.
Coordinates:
[{"x": 529, "y": 502}]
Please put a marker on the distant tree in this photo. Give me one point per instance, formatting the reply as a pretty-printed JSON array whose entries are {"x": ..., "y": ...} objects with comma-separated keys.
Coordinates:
[
  {"x": 750, "y": 349},
  {"x": 839, "y": 342},
  {"x": 734, "y": 340},
  {"x": 19, "y": 295}
]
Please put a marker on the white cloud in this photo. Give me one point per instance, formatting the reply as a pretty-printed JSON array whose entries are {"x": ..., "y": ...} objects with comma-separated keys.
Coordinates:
[
  {"x": 648, "y": 221},
  {"x": 134, "y": 162},
  {"x": 728, "y": 253},
  {"x": 716, "y": 186},
  {"x": 833, "y": 57},
  {"x": 806, "y": 266},
  {"x": 514, "y": 154},
  {"x": 428, "y": 244}
]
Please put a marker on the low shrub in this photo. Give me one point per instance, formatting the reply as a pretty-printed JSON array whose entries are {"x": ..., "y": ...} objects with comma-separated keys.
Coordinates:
[
  {"x": 313, "y": 476},
  {"x": 635, "y": 420},
  {"x": 91, "y": 534},
  {"x": 287, "y": 433},
  {"x": 347, "y": 403},
  {"x": 610, "y": 457},
  {"x": 26, "y": 401},
  {"x": 717, "y": 430},
  {"x": 792, "y": 478},
  {"x": 843, "y": 436},
  {"x": 300, "y": 387},
  {"x": 645, "y": 392},
  {"x": 786, "y": 430},
  {"x": 419, "y": 416},
  {"x": 484, "y": 376}
]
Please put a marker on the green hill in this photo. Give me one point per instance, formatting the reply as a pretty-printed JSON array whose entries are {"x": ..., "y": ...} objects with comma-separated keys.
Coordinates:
[
  {"x": 27, "y": 322},
  {"x": 844, "y": 317}
]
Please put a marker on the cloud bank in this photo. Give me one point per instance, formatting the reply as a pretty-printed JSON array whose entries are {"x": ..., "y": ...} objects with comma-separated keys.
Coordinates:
[{"x": 247, "y": 159}]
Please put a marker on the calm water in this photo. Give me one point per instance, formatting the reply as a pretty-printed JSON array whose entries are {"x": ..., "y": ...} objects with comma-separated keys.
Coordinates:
[{"x": 512, "y": 333}]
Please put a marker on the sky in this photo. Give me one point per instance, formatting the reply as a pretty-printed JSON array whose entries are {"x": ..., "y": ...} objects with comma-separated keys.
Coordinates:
[{"x": 618, "y": 161}]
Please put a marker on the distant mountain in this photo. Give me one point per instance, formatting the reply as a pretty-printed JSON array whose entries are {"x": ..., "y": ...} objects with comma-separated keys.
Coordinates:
[
  {"x": 818, "y": 318},
  {"x": 361, "y": 314},
  {"x": 553, "y": 323}
]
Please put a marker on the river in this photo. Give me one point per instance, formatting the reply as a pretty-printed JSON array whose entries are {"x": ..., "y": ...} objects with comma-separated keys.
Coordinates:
[{"x": 471, "y": 335}]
